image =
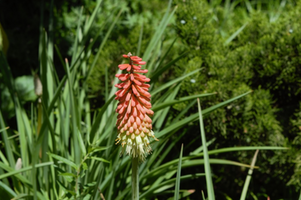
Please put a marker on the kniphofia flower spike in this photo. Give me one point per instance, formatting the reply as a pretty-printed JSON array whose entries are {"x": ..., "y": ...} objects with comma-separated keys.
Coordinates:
[{"x": 134, "y": 109}]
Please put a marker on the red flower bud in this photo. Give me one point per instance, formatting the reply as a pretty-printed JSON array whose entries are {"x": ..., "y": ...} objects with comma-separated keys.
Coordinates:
[{"x": 133, "y": 121}]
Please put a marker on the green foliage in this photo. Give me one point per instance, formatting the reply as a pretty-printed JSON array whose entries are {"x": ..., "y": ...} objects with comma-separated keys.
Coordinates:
[
  {"x": 194, "y": 27},
  {"x": 24, "y": 86},
  {"x": 54, "y": 151},
  {"x": 262, "y": 57},
  {"x": 295, "y": 123},
  {"x": 225, "y": 49},
  {"x": 136, "y": 20}
]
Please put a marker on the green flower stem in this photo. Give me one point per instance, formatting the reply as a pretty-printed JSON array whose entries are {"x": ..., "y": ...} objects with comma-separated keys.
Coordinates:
[{"x": 135, "y": 178}]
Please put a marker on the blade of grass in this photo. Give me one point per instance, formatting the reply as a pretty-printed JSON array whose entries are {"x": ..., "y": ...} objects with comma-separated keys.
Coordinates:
[
  {"x": 48, "y": 84},
  {"x": 279, "y": 11},
  {"x": 159, "y": 31},
  {"x": 230, "y": 149},
  {"x": 160, "y": 99},
  {"x": 105, "y": 182},
  {"x": 172, "y": 165},
  {"x": 77, "y": 38},
  {"x": 156, "y": 74},
  {"x": 163, "y": 113},
  {"x": 8, "y": 149},
  {"x": 168, "y": 84},
  {"x": 81, "y": 142},
  {"x": 235, "y": 34},
  {"x": 96, "y": 123},
  {"x": 200, "y": 149},
  {"x": 195, "y": 116},
  {"x": 172, "y": 102},
  {"x": 160, "y": 154},
  {"x": 140, "y": 39},
  {"x": 170, "y": 182},
  {"x": 249, "y": 176},
  {"x": 103, "y": 43},
  {"x": 164, "y": 56},
  {"x": 209, "y": 183},
  {"x": 13, "y": 172},
  {"x": 92, "y": 18},
  {"x": 249, "y": 6},
  {"x": 1, "y": 130},
  {"x": 7, "y": 189},
  {"x": 177, "y": 188},
  {"x": 74, "y": 116},
  {"x": 183, "y": 112},
  {"x": 9, "y": 82},
  {"x": 212, "y": 161}
]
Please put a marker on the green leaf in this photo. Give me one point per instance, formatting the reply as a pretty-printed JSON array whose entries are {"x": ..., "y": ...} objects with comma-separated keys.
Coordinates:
[
  {"x": 169, "y": 103},
  {"x": 159, "y": 32},
  {"x": 156, "y": 74},
  {"x": 177, "y": 188},
  {"x": 7, "y": 189},
  {"x": 103, "y": 43},
  {"x": 64, "y": 160},
  {"x": 209, "y": 183},
  {"x": 21, "y": 196},
  {"x": 248, "y": 179},
  {"x": 92, "y": 18},
  {"x": 195, "y": 116},
  {"x": 230, "y": 149},
  {"x": 99, "y": 116},
  {"x": 100, "y": 159},
  {"x": 81, "y": 142},
  {"x": 85, "y": 166},
  {"x": 68, "y": 176},
  {"x": 25, "y": 88},
  {"x": 16, "y": 173},
  {"x": 96, "y": 149},
  {"x": 234, "y": 35},
  {"x": 168, "y": 184},
  {"x": 87, "y": 197},
  {"x": 170, "y": 83}
]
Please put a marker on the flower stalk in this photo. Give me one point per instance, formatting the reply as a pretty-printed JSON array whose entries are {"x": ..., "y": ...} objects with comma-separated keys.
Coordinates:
[{"x": 135, "y": 178}]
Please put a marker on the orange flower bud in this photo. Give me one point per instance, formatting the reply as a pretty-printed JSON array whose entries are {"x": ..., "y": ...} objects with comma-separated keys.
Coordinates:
[{"x": 134, "y": 109}]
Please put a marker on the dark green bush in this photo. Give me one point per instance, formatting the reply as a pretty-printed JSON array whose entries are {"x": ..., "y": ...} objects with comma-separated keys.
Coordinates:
[{"x": 263, "y": 57}]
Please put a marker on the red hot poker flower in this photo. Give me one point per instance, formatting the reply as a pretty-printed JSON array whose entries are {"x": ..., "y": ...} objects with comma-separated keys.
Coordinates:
[{"x": 134, "y": 109}]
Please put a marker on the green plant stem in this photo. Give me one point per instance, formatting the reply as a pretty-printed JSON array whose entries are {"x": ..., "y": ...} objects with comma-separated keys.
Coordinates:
[{"x": 135, "y": 179}]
